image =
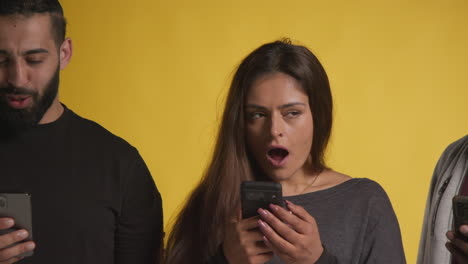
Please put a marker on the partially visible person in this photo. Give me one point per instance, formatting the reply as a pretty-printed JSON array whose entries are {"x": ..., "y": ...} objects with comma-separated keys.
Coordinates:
[
  {"x": 276, "y": 125},
  {"x": 93, "y": 198},
  {"x": 450, "y": 178}
]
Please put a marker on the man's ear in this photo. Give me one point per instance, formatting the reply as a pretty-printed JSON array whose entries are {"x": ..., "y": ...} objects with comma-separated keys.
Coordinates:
[{"x": 65, "y": 53}]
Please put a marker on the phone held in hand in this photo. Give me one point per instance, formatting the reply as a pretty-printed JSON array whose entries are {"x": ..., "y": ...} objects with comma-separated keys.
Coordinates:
[
  {"x": 257, "y": 194},
  {"x": 460, "y": 213},
  {"x": 18, "y": 207}
]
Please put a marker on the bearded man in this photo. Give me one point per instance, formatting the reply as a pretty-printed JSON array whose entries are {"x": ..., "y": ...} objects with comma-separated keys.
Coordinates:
[{"x": 93, "y": 199}]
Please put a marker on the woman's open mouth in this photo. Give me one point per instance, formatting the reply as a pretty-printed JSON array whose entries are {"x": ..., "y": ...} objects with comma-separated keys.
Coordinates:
[{"x": 277, "y": 156}]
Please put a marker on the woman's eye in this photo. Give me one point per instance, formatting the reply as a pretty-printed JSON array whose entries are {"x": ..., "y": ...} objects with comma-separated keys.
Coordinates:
[
  {"x": 293, "y": 113},
  {"x": 253, "y": 116}
]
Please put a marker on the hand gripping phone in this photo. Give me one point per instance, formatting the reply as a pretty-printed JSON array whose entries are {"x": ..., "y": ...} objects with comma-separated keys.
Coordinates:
[
  {"x": 257, "y": 194},
  {"x": 460, "y": 213},
  {"x": 18, "y": 207}
]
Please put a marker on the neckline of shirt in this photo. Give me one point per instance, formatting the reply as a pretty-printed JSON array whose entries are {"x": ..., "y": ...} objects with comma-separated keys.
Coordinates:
[{"x": 327, "y": 193}]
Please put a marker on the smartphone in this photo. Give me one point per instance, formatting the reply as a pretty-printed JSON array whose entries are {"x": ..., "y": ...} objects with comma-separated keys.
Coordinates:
[
  {"x": 460, "y": 213},
  {"x": 18, "y": 207},
  {"x": 257, "y": 194}
]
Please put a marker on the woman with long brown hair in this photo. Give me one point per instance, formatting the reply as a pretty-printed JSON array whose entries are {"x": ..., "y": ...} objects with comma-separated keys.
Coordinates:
[{"x": 275, "y": 127}]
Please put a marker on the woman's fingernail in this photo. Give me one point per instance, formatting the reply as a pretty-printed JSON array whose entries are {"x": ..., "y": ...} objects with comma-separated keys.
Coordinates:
[
  {"x": 262, "y": 212},
  {"x": 274, "y": 207},
  {"x": 261, "y": 223}
]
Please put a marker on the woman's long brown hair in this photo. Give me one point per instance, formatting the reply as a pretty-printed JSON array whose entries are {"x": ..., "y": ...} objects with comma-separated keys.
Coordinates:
[{"x": 198, "y": 230}]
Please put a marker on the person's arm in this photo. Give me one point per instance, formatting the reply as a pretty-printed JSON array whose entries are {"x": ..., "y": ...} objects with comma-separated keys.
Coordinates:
[
  {"x": 439, "y": 178},
  {"x": 382, "y": 242},
  {"x": 139, "y": 231}
]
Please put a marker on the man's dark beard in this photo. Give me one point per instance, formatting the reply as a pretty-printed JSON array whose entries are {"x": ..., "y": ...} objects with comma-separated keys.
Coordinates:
[{"x": 15, "y": 120}]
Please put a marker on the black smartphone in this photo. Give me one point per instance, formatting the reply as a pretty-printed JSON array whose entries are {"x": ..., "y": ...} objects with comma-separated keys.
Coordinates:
[
  {"x": 460, "y": 213},
  {"x": 257, "y": 194},
  {"x": 18, "y": 207}
]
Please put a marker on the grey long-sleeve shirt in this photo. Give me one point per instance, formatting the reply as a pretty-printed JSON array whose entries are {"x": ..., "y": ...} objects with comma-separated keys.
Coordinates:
[{"x": 356, "y": 222}]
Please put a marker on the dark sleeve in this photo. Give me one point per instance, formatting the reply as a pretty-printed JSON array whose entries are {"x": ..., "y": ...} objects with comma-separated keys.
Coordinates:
[
  {"x": 139, "y": 230},
  {"x": 326, "y": 258},
  {"x": 382, "y": 241}
]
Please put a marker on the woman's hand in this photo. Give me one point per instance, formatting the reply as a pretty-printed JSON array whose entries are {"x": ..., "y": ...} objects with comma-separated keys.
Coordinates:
[
  {"x": 292, "y": 235},
  {"x": 243, "y": 242}
]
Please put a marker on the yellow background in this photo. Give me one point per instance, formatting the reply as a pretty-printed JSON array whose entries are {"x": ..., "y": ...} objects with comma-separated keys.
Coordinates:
[{"x": 156, "y": 72}]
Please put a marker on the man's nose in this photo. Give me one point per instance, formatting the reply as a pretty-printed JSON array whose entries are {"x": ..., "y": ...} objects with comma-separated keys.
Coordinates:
[{"x": 17, "y": 74}]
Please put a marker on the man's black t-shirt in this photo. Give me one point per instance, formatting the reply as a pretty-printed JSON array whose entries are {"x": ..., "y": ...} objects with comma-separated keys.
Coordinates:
[{"x": 93, "y": 198}]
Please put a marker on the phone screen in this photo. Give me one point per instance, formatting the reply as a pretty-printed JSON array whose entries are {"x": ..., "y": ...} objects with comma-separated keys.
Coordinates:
[{"x": 255, "y": 195}]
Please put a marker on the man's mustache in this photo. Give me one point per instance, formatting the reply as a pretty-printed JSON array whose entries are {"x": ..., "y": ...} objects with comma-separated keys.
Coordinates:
[{"x": 10, "y": 89}]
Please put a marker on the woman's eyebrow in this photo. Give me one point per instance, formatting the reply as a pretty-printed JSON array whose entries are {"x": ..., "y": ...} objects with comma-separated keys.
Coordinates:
[
  {"x": 291, "y": 104},
  {"x": 279, "y": 107},
  {"x": 255, "y": 106}
]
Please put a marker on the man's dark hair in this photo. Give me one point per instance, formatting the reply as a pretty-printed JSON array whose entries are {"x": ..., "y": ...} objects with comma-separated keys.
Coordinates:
[{"x": 31, "y": 7}]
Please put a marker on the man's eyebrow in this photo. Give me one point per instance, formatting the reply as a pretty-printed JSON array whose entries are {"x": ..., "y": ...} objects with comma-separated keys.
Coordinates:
[
  {"x": 3, "y": 52},
  {"x": 35, "y": 51}
]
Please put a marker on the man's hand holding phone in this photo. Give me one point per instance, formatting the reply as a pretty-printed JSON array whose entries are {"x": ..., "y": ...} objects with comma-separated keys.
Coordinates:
[{"x": 10, "y": 253}]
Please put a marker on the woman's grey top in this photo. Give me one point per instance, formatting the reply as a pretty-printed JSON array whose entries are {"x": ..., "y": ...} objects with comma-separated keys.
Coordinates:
[{"x": 356, "y": 222}]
